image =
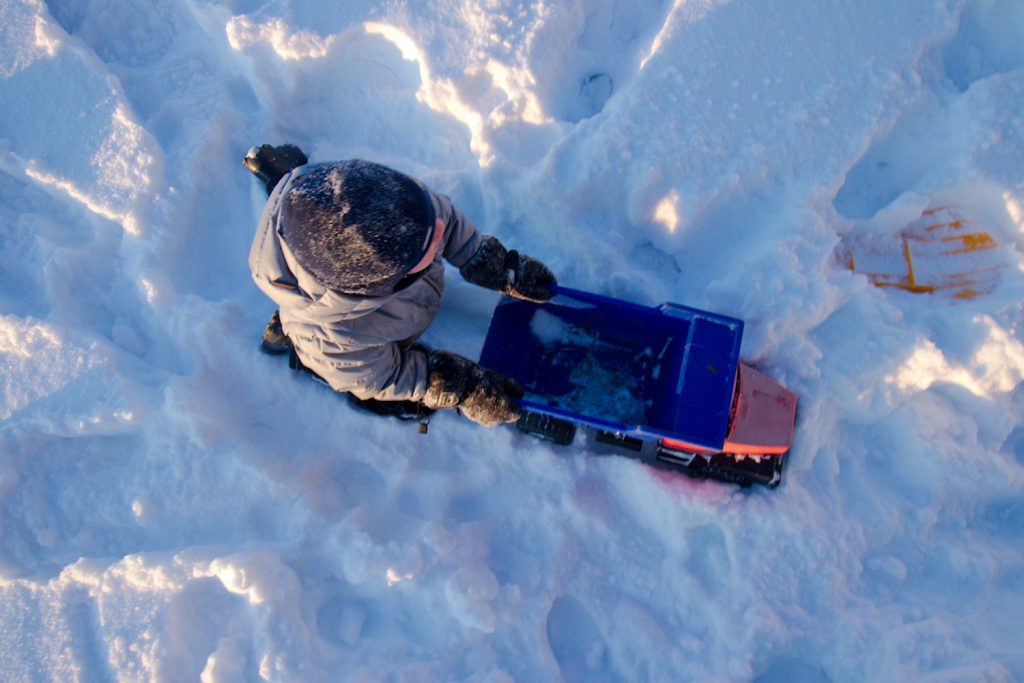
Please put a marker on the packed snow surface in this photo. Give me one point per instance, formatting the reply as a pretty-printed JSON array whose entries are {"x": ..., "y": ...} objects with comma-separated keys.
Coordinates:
[{"x": 176, "y": 506}]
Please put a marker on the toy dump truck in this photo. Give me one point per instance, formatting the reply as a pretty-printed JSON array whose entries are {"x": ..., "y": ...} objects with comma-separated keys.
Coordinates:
[{"x": 664, "y": 384}]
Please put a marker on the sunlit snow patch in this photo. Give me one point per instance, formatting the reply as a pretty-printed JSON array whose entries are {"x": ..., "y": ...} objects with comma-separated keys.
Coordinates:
[
  {"x": 35, "y": 363},
  {"x": 242, "y": 32},
  {"x": 666, "y": 213},
  {"x": 996, "y": 367}
]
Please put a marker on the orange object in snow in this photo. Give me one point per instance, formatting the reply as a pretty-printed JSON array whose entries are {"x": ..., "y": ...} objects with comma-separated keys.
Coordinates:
[{"x": 940, "y": 252}]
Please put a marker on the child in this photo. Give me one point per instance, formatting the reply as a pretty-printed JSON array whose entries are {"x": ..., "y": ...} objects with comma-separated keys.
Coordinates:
[{"x": 351, "y": 251}]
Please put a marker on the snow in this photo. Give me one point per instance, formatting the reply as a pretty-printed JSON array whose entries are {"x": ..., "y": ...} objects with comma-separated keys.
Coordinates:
[{"x": 174, "y": 505}]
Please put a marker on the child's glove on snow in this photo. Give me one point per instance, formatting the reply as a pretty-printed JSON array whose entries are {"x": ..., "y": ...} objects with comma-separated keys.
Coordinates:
[
  {"x": 495, "y": 267},
  {"x": 482, "y": 395},
  {"x": 270, "y": 164}
]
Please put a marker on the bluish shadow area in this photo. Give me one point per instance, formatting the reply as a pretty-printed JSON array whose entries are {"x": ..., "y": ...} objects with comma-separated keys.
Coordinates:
[
  {"x": 792, "y": 670},
  {"x": 581, "y": 71},
  {"x": 895, "y": 163},
  {"x": 990, "y": 41},
  {"x": 930, "y": 135},
  {"x": 577, "y": 643}
]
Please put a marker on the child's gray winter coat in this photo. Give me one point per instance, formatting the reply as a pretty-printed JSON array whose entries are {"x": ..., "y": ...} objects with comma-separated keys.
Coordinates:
[{"x": 358, "y": 344}]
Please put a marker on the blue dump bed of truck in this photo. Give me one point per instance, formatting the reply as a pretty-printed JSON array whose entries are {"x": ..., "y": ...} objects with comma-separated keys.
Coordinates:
[{"x": 649, "y": 372}]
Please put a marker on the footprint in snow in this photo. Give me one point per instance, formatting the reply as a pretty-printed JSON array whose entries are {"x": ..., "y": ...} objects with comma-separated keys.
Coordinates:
[
  {"x": 577, "y": 643},
  {"x": 709, "y": 558}
]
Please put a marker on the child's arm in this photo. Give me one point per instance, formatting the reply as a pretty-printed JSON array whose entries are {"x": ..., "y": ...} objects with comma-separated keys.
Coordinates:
[{"x": 484, "y": 260}]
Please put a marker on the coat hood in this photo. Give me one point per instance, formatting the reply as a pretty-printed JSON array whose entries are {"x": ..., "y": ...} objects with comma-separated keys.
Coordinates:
[
  {"x": 356, "y": 225},
  {"x": 280, "y": 275}
]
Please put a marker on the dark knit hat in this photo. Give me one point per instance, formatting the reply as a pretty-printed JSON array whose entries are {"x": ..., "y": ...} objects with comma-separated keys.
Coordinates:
[{"x": 357, "y": 226}]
